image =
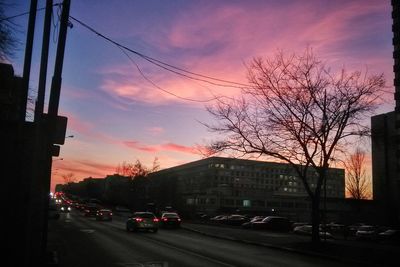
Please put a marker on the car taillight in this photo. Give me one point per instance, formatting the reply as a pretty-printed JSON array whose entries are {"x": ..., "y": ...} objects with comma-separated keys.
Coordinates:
[
  {"x": 139, "y": 219},
  {"x": 165, "y": 219},
  {"x": 110, "y": 213},
  {"x": 179, "y": 219},
  {"x": 155, "y": 220}
]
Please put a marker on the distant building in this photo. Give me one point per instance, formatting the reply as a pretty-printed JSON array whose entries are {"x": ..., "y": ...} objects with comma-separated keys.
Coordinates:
[
  {"x": 216, "y": 185},
  {"x": 386, "y": 142}
]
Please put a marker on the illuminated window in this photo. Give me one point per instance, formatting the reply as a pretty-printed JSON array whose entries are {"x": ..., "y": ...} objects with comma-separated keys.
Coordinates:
[{"x": 246, "y": 203}]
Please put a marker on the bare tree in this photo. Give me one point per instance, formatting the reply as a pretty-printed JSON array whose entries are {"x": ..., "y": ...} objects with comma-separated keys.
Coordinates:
[
  {"x": 69, "y": 178},
  {"x": 136, "y": 170},
  {"x": 8, "y": 41},
  {"x": 297, "y": 112},
  {"x": 357, "y": 183},
  {"x": 124, "y": 169}
]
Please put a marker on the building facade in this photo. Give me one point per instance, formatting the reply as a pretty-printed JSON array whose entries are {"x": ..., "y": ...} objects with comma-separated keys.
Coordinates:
[
  {"x": 386, "y": 142},
  {"x": 225, "y": 185}
]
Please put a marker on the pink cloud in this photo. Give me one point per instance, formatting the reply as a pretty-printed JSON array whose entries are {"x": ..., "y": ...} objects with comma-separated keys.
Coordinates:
[
  {"x": 136, "y": 145},
  {"x": 197, "y": 149},
  {"x": 232, "y": 35}
]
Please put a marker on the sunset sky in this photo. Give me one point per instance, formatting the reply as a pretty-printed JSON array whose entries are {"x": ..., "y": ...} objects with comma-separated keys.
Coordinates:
[{"x": 116, "y": 115}]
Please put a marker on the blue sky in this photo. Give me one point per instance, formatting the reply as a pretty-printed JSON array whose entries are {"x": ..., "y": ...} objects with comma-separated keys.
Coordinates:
[{"x": 116, "y": 115}]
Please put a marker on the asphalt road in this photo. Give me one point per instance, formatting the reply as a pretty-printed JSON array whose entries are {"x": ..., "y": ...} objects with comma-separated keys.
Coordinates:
[{"x": 81, "y": 241}]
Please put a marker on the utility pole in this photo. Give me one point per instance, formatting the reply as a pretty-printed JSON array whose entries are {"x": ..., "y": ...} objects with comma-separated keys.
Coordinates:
[
  {"x": 52, "y": 123},
  {"x": 28, "y": 59},
  {"x": 42, "y": 140},
  {"x": 44, "y": 60},
  {"x": 24, "y": 133},
  {"x": 56, "y": 82}
]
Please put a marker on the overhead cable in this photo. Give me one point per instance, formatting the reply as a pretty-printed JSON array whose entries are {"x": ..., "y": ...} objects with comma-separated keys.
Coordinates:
[{"x": 164, "y": 65}]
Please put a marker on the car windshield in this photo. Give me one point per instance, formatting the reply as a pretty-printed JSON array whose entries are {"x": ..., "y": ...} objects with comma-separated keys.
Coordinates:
[
  {"x": 170, "y": 215},
  {"x": 144, "y": 215}
]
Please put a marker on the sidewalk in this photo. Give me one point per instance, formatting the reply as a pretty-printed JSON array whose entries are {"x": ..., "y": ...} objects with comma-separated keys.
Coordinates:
[{"x": 353, "y": 252}]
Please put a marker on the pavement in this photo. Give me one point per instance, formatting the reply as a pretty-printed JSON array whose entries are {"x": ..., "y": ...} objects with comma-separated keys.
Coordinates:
[{"x": 356, "y": 253}]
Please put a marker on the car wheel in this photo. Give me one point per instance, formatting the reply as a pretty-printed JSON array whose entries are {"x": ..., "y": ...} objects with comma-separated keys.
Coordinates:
[
  {"x": 155, "y": 230},
  {"x": 128, "y": 228}
]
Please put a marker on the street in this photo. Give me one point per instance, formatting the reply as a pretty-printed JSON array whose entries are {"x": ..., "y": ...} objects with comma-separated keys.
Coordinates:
[{"x": 81, "y": 241}]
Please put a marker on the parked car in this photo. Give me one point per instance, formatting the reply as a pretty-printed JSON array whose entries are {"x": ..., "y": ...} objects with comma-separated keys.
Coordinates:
[
  {"x": 219, "y": 218},
  {"x": 367, "y": 232},
  {"x": 335, "y": 228},
  {"x": 390, "y": 236},
  {"x": 295, "y": 224},
  {"x": 202, "y": 216},
  {"x": 90, "y": 211},
  {"x": 170, "y": 219},
  {"x": 249, "y": 224},
  {"x": 104, "y": 215},
  {"x": 275, "y": 223},
  {"x": 142, "y": 221},
  {"x": 307, "y": 230},
  {"x": 235, "y": 220},
  {"x": 352, "y": 229}
]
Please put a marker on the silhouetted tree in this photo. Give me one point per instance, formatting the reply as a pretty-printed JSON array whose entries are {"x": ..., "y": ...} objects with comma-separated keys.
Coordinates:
[
  {"x": 140, "y": 184},
  {"x": 8, "y": 41},
  {"x": 357, "y": 183},
  {"x": 68, "y": 178},
  {"x": 296, "y": 111},
  {"x": 136, "y": 170}
]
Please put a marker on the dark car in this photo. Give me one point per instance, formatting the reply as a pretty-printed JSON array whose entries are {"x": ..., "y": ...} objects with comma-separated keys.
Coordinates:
[
  {"x": 390, "y": 236},
  {"x": 142, "y": 221},
  {"x": 219, "y": 219},
  {"x": 104, "y": 215},
  {"x": 367, "y": 233},
  {"x": 274, "y": 223},
  {"x": 236, "y": 220},
  {"x": 90, "y": 211},
  {"x": 307, "y": 230},
  {"x": 352, "y": 229},
  {"x": 249, "y": 225},
  {"x": 170, "y": 219}
]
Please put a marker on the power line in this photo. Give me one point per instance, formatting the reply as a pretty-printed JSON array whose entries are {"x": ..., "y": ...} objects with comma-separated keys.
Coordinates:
[
  {"x": 166, "y": 66},
  {"x": 26, "y": 13},
  {"x": 159, "y": 88}
]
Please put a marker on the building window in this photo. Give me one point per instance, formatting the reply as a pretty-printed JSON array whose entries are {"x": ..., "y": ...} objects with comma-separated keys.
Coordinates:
[{"x": 246, "y": 203}]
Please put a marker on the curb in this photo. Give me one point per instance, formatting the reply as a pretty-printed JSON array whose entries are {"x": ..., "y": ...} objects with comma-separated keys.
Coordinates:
[{"x": 287, "y": 249}]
